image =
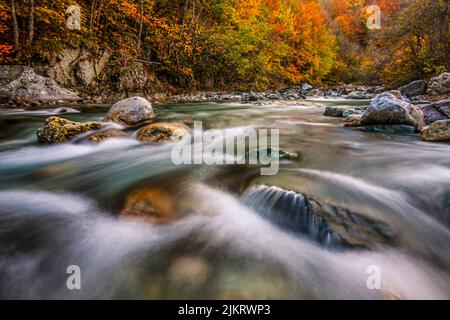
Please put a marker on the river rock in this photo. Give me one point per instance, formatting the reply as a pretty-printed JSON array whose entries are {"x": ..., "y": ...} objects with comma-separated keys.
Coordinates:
[
  {"x": 307, "y": 87},
  {"x": 438, "y": 131},
  {"x": 26, "y": 86},
  {"x": 360, "y": 95},
  {"x": 413, "y": 89},
  {"x": 334, "y": 112},
  {"x": 385, "y": 108},
  {"x": 163, "y": 132},
  {"x": 388, "y": 128},
  {"x": 282, "y": 154},
  {"x": 351, "y": 111},
  {"x": 131, "y": 112},
  {"x": 436, "y": 111},
  {"x": 439, "y": 85},
  {"x": 59, "y": 130},
  {"x": 151, "y": 204},
  {"x": 353, "y": 120},
  {"x": 100, "y": 136}
]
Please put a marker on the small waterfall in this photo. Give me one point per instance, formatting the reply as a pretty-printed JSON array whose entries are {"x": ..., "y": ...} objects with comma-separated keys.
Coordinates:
[
  {"x": 290, "y": 211},
  {"x": 330, "y": 226}
]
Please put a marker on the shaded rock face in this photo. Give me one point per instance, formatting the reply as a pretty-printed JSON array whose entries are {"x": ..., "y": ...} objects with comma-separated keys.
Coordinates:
[
  {"x": 387, "y": 109},
  {"x": 77, "y": 68},
  {"x": 438, "y": 131},
  {"x": 30, "y": 87},
  {"x": 416, "y": 88},
  {"x": 59, "y": 130},
  {"x": 162, "y": 132},
  {"x": 439, "y": 85},
  {"x": 436, "y": 111},
  {"x": 390, "y": 128},
  {"x": 329, "y": 225},
  {"x": 131, "y": 112}
]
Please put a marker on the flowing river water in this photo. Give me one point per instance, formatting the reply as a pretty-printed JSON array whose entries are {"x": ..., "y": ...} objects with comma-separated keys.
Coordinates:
[{"x": 239, "y": 235}]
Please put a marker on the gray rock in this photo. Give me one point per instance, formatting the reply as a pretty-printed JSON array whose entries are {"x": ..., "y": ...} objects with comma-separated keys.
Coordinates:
[
  {"x": 334, "y": 112},
  {"x": 436, "y": 111},
  {"x": 414, "y": 89},
  {"x": 306, "y": 87},
  {"x": 351, "y": 111},
  {"x": 439, "y": 85},
  {"x": 393, "y": 128},
  {"x": 357, "y": 94},
  {"x": 30, "y": 87},
  {"x": 385, "y": 108},
  {"x": 131, "y": 112}
]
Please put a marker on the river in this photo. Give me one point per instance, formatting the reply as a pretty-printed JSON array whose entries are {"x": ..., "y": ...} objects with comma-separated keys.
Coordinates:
[{"x": 239, "y": 236}]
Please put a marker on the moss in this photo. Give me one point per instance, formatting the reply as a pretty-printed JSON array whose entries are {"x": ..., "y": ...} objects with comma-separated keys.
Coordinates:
[{"x": 59, "y": 130}]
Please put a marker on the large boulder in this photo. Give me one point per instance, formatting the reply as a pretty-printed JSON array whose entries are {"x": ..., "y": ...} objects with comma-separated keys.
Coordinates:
[
  {"x": 439, "y": 85},
  {"x": 163, "y": 132},
  {"x": 436, "y": 111},
  {"x": 24, "y": 85},
  {"x": 438, "y": 131},
  {"x": 385, "y": 108},
  {"x": 416, "y": 88},
  {"x": 131, "y": 112},
  {"x": 59, "y": 130}
]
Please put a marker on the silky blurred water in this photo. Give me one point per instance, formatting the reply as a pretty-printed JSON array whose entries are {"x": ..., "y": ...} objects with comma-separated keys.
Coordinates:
[{"x": 59, "y": 206}]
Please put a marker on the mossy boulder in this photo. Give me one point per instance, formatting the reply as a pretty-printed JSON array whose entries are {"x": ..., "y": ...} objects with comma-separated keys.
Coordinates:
[
  {"x": 60, "y": 130},
  {"x": 162, "y": 132}
]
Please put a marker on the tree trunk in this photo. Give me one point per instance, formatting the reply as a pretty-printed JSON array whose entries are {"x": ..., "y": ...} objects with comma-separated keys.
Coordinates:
[
  {"x": 15, "y": 25},
  {"x": 31, "y": 23},
  {"x": 91, "y": 20},
  {"x": 140, "y": 27}
]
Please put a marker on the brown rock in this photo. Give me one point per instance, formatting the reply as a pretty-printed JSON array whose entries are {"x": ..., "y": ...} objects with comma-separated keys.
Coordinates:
[
  {"x": 438, "y": 131},
  {"x": 151, "y": 204},
  {"x": 162, "y": 132}
]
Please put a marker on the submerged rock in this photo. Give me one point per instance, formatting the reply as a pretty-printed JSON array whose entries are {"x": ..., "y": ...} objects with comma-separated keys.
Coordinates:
[
  {"x": 439, "y": 85},
  {"x": 59, "y": 130},
  {"x": 26, "y": 86},
  {"x": 329, "y": 225},
  {"x": 438, "y": 131},
  {"x": 98, "y": 137},
  {"x": 162, "y": 132},
  {"x": 388, "y": 109},
  {"x": 283, "y": 155},
  {"x": 436, "y": 111},
  {"x": 389, "y": 128},
  {"x": 151, "y": 204},
  {"x": 131, "y": 112},
  {"x": 413, "y": 89}
]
